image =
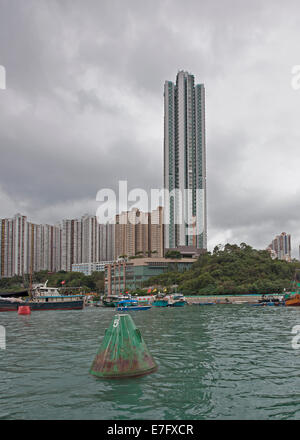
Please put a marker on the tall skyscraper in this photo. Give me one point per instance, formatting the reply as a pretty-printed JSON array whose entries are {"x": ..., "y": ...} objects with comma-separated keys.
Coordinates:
[{"x": 185, "y": 162}]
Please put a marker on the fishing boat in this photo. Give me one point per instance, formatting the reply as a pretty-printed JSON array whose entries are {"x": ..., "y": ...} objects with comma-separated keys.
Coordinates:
[
  {"x": 110, "y": 300},
  {"x": 177, "y": 300},
  {"x": 10, "y": 304},
  {"x": 161, "y": 300},
  {"x": 143, "y": 302},
  {"x": 270, "y": 301},
  {"x": 113, "y": 300},
  {"x": 293, "y": 300},
  {"x": 44, "y": 298},
  {"x": 131, "y": 304}
]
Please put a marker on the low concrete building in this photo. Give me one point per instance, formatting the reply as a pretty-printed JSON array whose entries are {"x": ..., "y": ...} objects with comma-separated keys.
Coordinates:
[
  {"x": 89, "y": 268},
  {"x": 130, "y": 275}
]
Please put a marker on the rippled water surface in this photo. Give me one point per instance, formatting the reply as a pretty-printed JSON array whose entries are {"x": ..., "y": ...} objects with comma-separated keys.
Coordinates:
[{"x": 215, "y": 362}]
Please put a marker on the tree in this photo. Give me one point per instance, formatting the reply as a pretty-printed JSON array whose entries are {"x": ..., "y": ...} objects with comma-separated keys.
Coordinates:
[
  {"x": 173, "y": 254},
  {"x": 233, "y": 269}
]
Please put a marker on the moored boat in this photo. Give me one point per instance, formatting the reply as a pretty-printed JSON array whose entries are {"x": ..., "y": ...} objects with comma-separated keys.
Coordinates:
[
  {"x": 10, "y": 304},
  {"x": 113, "y": 300},
  {"x": 161, "y": 300},
  {"x": 160, "y": 303},
  {"x": 269, "y": 301},
  {"x": 110, "y": 300},
  {"x": 143, "y": 302},
  {"x": 293, "y": 300},
  {"x": 177, "y": 300},
  {"x": 272, "y": 300},
  {"x": 44, "y": 298},
  {"x": 131, "y": 304}
]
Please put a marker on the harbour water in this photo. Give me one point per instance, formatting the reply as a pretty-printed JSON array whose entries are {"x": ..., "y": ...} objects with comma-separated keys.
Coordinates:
[{"x": 215, "y": 362}]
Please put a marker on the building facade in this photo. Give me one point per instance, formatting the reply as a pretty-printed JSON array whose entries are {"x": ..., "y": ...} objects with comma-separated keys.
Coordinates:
[
  {"x": 185, "y": 163},
  {"x": 139, "y": 233},
  {"x": 156, "y": 233},
  {"x": 43, "y": 248},
  {"x": 86, "y": 241},
  {"x": 89, "y": 268},
  {"x": 130, "y": 275},
  {"x": 27, "y": 247},
  {"x": 71, "y": 251},
  {"x": 6, "y": 247},
  {"x": 280, "y": 247},
  {"x": 107, "y": 242}
]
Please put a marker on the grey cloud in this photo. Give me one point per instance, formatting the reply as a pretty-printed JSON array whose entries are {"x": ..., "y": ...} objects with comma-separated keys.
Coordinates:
[{"x": 84, "y": 105}]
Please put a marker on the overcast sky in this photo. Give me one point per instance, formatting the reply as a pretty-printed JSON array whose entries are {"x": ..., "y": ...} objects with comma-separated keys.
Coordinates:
[{"x": 83, "y": 106}]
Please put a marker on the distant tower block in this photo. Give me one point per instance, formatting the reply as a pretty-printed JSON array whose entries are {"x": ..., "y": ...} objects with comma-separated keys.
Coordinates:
[{"x": 123, "y": 352}]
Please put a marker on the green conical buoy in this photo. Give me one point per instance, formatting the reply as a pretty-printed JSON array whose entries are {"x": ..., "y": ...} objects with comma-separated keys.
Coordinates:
[{"x": 123, "y": 352}]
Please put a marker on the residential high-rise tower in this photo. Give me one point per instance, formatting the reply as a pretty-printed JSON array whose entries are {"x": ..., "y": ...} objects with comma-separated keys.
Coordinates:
[
  {"x": 139, "y": 233},
  {"x": 185, "y": 163},
  {"x": 281, "y": 247}
]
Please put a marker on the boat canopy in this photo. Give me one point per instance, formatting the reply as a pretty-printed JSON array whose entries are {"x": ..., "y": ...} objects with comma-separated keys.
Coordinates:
[{"x": 128, "y": 302}]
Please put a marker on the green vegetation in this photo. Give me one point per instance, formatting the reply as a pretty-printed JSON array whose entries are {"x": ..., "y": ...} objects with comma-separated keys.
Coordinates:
[
  {"x": 141, "y": 254},
  {"x": 138, "y": 292},
  {"x": 14, "y": 284},
  {"x": 173, "y": 254},
  {"x": 231, "y": 270},
  {"x": 92, "y": 283}
]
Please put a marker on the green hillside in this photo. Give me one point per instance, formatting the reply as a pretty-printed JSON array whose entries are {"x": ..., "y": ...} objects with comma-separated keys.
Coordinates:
[{"x": 232, "y": 270}]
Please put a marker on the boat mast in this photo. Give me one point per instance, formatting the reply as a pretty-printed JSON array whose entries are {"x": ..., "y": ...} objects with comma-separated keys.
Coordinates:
[
  {"x": 297, "y": 280},
  {"x": 30, "y": 281}
]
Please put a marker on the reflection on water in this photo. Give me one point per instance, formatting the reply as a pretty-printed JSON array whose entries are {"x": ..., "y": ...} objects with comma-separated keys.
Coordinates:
[{"x": 221, "y": 362}]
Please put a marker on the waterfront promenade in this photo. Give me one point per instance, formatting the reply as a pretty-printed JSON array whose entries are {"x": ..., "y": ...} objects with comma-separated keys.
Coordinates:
[
  {"x": 222, "y": 299},
  {"x": 218, "y": 299}
]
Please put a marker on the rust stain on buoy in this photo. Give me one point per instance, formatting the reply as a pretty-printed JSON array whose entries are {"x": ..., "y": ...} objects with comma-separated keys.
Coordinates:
[{"x": 123, "y": 352}]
